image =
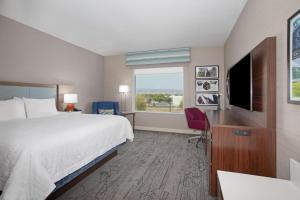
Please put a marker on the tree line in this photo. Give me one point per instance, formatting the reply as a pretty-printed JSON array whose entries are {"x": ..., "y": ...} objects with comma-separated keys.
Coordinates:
[{"x": 142, "y": 100}]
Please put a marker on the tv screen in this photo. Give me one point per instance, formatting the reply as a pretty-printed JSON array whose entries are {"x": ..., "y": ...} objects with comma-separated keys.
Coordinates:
[{"x": 240, "y": 83}]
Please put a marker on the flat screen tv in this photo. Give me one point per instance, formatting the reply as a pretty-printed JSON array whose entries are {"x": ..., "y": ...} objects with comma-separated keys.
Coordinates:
[{"x": 240, "y": 94}]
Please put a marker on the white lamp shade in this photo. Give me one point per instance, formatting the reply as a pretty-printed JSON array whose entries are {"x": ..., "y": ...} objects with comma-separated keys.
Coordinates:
[
  {"x": 70, "y": 98},
  {"x": 123, "y": 88}
]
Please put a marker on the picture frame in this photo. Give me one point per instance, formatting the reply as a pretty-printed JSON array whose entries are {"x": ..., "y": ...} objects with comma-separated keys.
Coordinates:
[
  {"x": 207, "y": 72},
  {"x": 207, "y": 85},
  {"x": 293, "y": 58},
  {"x": 207, "y": 99}
]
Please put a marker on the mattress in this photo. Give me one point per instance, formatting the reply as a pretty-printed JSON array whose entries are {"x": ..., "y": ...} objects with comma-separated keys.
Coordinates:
[{"x": 37, "y": 153}]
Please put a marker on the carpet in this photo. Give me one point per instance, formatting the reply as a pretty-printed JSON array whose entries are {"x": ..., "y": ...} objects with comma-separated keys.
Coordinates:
[{"x": 156, "y": 166}]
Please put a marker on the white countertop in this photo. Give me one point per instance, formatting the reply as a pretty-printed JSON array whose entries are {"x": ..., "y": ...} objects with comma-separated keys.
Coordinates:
[{"x": 236, "y": 186}]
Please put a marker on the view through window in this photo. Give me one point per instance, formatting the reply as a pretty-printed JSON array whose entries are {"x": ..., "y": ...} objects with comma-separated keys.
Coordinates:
[{"x": 159, "y": 89}]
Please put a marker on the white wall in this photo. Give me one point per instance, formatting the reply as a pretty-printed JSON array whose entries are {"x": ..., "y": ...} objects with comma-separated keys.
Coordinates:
[
  {"x": 116, "y": 73},
  {"x": 31, "y": 56}
]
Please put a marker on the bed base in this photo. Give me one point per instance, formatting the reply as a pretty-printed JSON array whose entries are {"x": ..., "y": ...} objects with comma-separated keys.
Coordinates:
[
  {"x": 77, "y": 179},
  {"x": 59, "y": 191}
]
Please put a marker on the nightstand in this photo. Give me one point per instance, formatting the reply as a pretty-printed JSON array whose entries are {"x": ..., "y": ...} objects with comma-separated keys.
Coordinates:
[{"x": 133, "y": 117}]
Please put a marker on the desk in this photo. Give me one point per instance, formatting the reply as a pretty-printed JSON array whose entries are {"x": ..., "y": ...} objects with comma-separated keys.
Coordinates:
[
  {"x": 228, "y": 118},
  {"x": 235, "y": 186},
  {"x": 244, "y": 141},
  {"x": 237, "y": 144},
  {"x": 133, "y": 117}
]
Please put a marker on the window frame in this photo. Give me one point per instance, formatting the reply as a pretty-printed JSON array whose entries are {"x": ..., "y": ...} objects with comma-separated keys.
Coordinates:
[{"x": 153, "y": 112}]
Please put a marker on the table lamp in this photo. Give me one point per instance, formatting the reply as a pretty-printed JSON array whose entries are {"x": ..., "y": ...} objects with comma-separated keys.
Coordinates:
[
  {"x": 123, "y": 89},
  {"x": 70, "y": 100}
]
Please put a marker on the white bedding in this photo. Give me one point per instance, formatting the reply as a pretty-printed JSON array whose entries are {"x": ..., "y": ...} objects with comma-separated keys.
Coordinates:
[{"x": 36, "y": 153}]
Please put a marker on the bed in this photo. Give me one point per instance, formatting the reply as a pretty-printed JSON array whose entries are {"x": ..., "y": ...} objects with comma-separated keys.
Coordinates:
[{"x": 40, "y": 156}]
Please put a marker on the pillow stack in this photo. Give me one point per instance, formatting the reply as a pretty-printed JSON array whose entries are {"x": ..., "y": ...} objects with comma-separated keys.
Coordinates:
[
  {"x": 12, "y": 109},
  {"x": 106, "y": 111},
  {"x": 18, "y": 108},
  {"x": 39, "y": 107}
]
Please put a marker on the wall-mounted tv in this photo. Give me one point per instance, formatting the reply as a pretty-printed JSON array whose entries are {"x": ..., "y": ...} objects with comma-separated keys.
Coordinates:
[{"x": 240, "y": 94}]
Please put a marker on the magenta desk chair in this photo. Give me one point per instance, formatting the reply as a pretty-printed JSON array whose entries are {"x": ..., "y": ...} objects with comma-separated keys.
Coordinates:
[{"x": 198, "y": 121}]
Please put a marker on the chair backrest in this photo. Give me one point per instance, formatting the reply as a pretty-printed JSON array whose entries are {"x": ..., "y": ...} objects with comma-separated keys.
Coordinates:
[
  {"x": 196, "y": 119},
  {"x": 105, "y": 105}
]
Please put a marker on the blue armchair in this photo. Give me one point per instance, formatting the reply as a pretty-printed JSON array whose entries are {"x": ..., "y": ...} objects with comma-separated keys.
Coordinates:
[{"x": 106, "y": 105}]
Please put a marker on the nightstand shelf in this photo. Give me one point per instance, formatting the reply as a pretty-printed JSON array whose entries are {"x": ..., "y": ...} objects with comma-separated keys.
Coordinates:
[{"x": 133, "y": 117}]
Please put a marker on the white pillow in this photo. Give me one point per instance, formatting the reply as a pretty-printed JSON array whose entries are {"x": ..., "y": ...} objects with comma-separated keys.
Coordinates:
[
  {"x": 12, "y": 109},
  {"x": 39, "y": 107},
  {"x": 18, "y": 99}
]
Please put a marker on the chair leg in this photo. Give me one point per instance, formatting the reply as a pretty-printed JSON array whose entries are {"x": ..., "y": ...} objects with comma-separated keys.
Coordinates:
[
  {"x": 200, "y": 138},
  {"x": 193, "y": 138},
  {"x": 198, "y": 141},
  {"x": 205, "y": 141}
]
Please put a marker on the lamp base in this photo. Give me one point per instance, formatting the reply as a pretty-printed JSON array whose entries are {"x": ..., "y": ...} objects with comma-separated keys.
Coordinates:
[{"x": 70, "y": 107}]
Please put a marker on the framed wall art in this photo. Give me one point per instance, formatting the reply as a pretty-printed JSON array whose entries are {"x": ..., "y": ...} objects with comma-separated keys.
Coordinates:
[
  {"x": 294, "y": 58},
  {"x": 206, "y": 99},
  {"x": 207, "y": 85},
  {"x": 208, "y": 72}
]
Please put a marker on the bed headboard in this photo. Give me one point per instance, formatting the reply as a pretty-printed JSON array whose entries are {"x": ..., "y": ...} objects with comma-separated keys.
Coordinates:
[{"x": 9, "y": 90}]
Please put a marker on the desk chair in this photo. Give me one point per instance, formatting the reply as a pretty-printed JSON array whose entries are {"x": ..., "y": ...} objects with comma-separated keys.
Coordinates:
[{"x": 198, "y": 121}]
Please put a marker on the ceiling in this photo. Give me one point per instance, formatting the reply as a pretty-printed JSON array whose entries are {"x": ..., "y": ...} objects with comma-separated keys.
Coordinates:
[{"x": 110, "y": 27}]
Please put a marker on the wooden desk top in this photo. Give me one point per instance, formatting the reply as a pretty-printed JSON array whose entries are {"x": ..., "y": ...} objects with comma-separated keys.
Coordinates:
[{"x": 227, "y": 118}]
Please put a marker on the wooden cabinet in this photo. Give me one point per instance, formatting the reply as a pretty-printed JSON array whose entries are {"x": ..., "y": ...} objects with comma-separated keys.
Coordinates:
[
  {"x": 244, "y": 141},
  {"x": 240, "y": 149}
]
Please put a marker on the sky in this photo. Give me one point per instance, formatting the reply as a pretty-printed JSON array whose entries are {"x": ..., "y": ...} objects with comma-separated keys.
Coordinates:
[{"x": 160, "y": 81}]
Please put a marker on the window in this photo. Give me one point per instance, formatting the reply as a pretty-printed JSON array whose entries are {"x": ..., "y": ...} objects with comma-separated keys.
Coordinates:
[{"x": 159, "y": 89}]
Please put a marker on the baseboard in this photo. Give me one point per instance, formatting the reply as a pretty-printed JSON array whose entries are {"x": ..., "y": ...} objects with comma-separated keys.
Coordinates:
[{"x": 169, "y": 130}]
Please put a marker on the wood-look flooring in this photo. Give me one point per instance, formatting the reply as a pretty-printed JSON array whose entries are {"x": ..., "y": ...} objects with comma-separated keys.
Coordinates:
[{"x": 158, "y": 166}]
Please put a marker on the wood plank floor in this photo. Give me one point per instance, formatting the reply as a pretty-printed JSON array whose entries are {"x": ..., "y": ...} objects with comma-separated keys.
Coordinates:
[{"x": 158, "y": 166}]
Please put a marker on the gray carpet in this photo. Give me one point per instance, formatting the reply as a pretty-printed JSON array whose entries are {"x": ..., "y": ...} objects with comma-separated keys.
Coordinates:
[{"x": 155, "y": 166}]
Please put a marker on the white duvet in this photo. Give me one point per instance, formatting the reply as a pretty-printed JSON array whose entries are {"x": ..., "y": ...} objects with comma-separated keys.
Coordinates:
[{"x": 36, "y": 153}]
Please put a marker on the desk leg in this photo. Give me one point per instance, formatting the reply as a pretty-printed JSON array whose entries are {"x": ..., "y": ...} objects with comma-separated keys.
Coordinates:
[{"x": 219, "y": 191}]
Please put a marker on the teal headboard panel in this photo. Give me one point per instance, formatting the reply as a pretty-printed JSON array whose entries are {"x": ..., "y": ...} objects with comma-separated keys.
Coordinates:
[{"x": 9, "y": 90}]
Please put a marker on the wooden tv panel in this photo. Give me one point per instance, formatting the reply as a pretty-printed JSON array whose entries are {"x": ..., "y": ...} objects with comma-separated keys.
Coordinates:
[{"x": 241, "y": 140}]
